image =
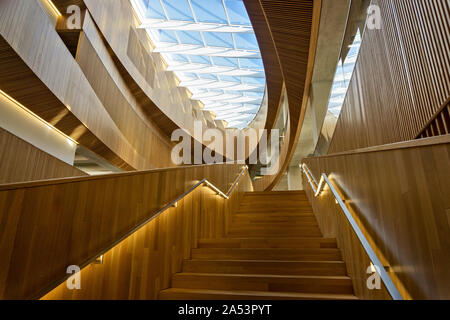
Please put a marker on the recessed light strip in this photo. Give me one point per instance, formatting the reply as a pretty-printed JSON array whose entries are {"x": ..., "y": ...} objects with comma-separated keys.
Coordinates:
[
  {"x": 36, "y": 116},
  {"x": 54, "y": 8}
]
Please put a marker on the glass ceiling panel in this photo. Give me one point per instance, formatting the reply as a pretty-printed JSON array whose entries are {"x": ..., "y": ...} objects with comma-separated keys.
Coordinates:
[
  {"x": 178, "y": 10},
  {"x": 209, "y": 11},
  {"x": 226, "y": 62},
  {"x": 246, "y": 41},
  {"x": 190, "y": 37},
  {"x": 212, "y": 48},
  {"x": 237, "y": 12},
  {"x": 153, "y": 9},
  {"x": 218, "y": 39},
  {"x": 200, "y": 59}
]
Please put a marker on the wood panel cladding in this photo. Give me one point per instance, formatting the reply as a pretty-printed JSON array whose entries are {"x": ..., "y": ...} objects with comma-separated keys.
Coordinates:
[
  {"x": 106, "y": 79},
  {"x": 50, "y": 225},
  {"x": 294, "y": 26},
  {"x": 439, "y": 125},
  {"x": 400, "y": 196},
  {"x": 270, "y": 59},
  {"x": 21, "y": 161},
  {"x": 38, "y": 71},
  {"x": 141, "y": 58},
  {"x": 166, "y": 102},
  {"x": 402, "y": 76},
  {"x": 143, "y": 264}
]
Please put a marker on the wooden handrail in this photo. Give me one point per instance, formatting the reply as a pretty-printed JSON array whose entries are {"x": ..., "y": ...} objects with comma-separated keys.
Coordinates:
[
  {"x": 392, "y": 146},
  {"x": 317, "y": 189},
  {"x": 40, "y": 183}
]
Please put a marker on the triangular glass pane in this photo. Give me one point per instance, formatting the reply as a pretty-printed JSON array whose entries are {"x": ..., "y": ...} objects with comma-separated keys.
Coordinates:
[
  {"x": 225, "y": 62},
  {"x": 166, "y": 36},
  {"x": 230, "y": 79},
  {"x": 179, "y": 57},
  {"x": 200, "y": 59},
  {"x": 256, "y": 64},
  {"x": 208, "y": 76},
  {"x": 251, "y": 80},
  {"x": 178, "y": 10},
  {"x": 246, "y": 41},
  {"x": 209, "y": 11},
  {"x": 154, "y": 9},
  {"x": 237, "y": 12},
  {"x": 190, "y": 37},
  {"x": 218, "y": 39}
]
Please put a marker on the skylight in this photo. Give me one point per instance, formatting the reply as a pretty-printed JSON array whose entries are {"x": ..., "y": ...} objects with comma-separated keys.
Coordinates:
[
  {"x": 343, "y": 76},
  {"x": 212, "y": 48}
]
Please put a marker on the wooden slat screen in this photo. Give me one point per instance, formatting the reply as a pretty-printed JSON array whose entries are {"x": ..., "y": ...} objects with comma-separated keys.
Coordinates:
[{"x": 402, "y": 76}]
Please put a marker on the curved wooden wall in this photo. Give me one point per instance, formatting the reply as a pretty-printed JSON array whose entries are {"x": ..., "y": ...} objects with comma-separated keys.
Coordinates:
[
  {"x": 400, "y": 196},
  {"x": 81, "y": 217},
  {"x": 288, "y": 40},
  {"x": 40, "y": 72},
  {"x": 402, "y": 76},
  {"x": 133, "y": 49},
  {"x": 274, "y": 75},
  {"x": 106, "y": 80},
  {"x": 21, "y": 161}
]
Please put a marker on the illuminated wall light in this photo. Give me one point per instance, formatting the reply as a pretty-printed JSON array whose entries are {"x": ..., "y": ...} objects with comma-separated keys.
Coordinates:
[
  {"x": 48, "y": 125},
  {"x": 54, "y": 8}
]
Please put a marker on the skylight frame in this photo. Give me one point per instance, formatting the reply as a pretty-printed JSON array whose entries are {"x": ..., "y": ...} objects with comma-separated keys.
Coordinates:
[{"x": 234, "y": 92}]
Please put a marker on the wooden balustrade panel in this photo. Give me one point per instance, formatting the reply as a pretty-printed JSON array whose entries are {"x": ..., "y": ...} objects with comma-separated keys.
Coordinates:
[
  {"x": 402, "y": 76},
  {"x": 143, "y": 264},
  {"x": 47, "y": 226},
  {"x": 400, "y": 197},
  {"x": 21, "y": 161}
]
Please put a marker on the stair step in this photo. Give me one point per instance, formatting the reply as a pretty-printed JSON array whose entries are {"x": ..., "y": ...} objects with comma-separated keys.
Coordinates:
[
  {"x": 268, "y": 243},
  {"x": 274, "y": 250},
  {"x": 275, "y": 203},
  {"x": 275, "y": 228},
  {"x": 313, "y": 268},
  {"x": 267, "y": 254},
  {"x": 201, "y": 294},
  {"x": 273, "y": 283},
  {"x": 262, "y": 218},
  {"x": 275, "y": 232},
  {"x": 281, "y": 210},
  {"x": 275, "y": 193},
  {"x": 273, "y": 215},
  {"x": 250, "y": 224}
]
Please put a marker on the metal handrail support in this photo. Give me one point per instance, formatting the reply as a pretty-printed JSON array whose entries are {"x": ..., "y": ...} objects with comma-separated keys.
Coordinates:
[{"x": 317, "y": 189}]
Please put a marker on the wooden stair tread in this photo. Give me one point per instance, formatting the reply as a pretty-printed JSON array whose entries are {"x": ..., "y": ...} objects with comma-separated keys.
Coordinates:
[
  {"x": 257, "y": 282},
  {"x": 202, "y": 294},
  {"x": 235, "y": 233},
  {"x": 261, "y": 276},
  {"x": 274, "y": 249},
  {"x": 304, "y": 254},
  {"x": 326, "y": 268},
  {"x": 264, "y": 193},
  {"x": 268, "y": 243},
  {"x": 272, "y": 210}
]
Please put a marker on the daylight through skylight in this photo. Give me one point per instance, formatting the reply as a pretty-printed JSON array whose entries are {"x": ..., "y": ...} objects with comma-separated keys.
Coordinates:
[{"x": 212, "y": 48}]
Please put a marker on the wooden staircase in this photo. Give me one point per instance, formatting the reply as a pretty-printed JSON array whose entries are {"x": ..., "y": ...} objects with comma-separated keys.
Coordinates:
[{"x": 274, "y": 250}]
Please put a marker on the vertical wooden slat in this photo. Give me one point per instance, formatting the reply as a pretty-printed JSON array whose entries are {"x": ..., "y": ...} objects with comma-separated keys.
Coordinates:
[{"x": 401, "y": 80}]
